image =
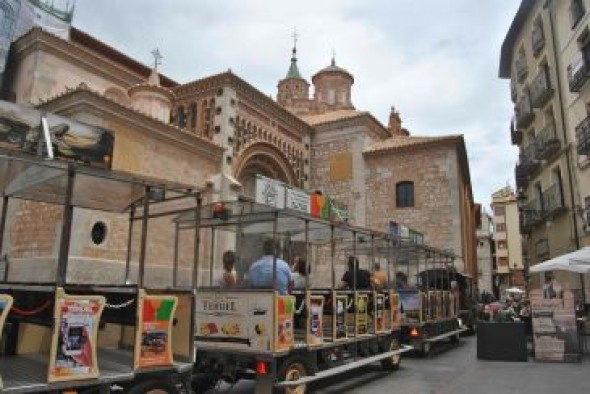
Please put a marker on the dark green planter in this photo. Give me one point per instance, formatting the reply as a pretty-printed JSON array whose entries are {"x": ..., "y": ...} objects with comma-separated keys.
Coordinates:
[{"x": 501, "y": 341}]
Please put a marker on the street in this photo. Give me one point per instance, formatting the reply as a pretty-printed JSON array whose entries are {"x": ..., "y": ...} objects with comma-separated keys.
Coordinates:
[{"x": 454, "y": 369}]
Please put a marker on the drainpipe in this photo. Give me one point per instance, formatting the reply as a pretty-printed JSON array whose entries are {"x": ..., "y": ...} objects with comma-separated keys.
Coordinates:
[{"x": 550, "y": 5}]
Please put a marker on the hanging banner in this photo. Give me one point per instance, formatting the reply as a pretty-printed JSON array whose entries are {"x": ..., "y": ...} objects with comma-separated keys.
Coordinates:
[
  {"x": 362, "y": 315},
  {"x": 394, "y": 305},
  {"x": 270, "y": 192},
  {"x": 554, "y": 326},
  {"x": 340, "y": 327},
  {"x": 153, "y": 343},
  {"x": 315, "y": 331},
  {"x": 379, "y": 312},
  {"x": 284, "y": 312},
  {"x": 21, "y": 129},
  {"x": 297, "y": 200},
  {"x": 73, "y": 345}
]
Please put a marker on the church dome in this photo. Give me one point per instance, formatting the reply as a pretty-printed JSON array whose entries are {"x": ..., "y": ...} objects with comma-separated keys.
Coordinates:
[{"x": 333, "y": 68}]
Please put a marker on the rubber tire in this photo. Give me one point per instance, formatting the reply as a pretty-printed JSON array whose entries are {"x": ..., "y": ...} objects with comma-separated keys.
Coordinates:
[
  {"x": 147, "y": 385},
  {"x": 388, "y": 364},
  {"x": 425, "y": 349},
  {"x": 202, "y": 382},
  {"x": 285, "y": 366}
]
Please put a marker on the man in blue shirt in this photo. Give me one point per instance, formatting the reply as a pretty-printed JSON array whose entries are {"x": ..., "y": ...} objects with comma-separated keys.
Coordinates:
[{"x": 261, "y": 271}]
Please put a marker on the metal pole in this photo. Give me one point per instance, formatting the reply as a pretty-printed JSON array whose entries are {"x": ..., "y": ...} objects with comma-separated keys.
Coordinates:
[
  {"x": 2, "y": 229},
  {"x": 306, "y": 254},
  {"x": 175, "y": 257},
  {"x": 143, "y": 244},
  {"x": 66, "y": 232},
  {"x": 332, "y": 251},
  {"x": 211, "y": 257},
  {"x": 129, "y": 237},
  {"x": 196, "y": 244},
  {"x": 274, "y": 254}
]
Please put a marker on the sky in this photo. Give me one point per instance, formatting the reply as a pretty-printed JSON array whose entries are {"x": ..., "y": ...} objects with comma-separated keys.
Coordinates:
[{"x": 435, "y": 61}]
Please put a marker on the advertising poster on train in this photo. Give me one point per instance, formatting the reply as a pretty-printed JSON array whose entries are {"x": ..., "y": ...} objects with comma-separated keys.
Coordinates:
[
  {"x": 73, "y": 346},
  {"x": 411, "y": 303},
  {"x": 362, "y": 318},
  {"x": 315, "y": 333},
  {"x": 153, "y": 345},
  {"x": 396, "y": 317},
  {"x": 234, "y": 320},
  {"x": 5, "y": 305},
  {"x": 340, "y": 327},
  {"x": 379, "y": 313},
  {"x": 554, "y": 326},
  {"x": 285, "y": 311}
]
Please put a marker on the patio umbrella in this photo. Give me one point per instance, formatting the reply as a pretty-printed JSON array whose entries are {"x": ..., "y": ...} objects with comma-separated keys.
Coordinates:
[{"x": 578, "y": 261}]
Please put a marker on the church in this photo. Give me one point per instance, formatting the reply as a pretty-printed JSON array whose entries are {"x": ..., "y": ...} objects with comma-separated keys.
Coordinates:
[{"x": 219, "y": 132}]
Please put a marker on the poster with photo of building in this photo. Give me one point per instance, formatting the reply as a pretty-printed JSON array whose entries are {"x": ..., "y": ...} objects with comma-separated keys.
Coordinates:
[{"x": 554, "y": 327}]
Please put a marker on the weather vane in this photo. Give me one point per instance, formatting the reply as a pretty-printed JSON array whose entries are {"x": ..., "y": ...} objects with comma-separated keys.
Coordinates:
[
  {"x": 157, "y": 58},
  {"x": 295, "y": 36}
]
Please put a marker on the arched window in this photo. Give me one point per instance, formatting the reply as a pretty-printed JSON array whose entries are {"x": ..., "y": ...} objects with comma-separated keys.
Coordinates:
[
  {"x": 181, "y": 117},
  {"x": 404, "y": 194},
  {"x": 193, "y": 115}
]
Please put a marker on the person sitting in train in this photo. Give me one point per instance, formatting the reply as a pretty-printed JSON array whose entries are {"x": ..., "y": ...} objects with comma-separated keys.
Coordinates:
[
  {"x": 228, "y": 279},
  {"x": 363, "y": 277},
  {"x": 260, "y": 274}
]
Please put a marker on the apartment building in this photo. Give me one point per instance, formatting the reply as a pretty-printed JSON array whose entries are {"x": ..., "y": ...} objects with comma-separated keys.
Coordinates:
[
  {"x": 544, "y": 57},
  {"x": 509, "y": 262}
]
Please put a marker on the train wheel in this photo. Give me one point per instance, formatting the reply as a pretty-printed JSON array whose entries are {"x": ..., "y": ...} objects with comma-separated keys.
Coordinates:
[
  {"x": 426, "y": 347},
  {"x": 393, "y": 362},
  {"x": 154, "y": 387},
  {"x": 294, "y": 369}
]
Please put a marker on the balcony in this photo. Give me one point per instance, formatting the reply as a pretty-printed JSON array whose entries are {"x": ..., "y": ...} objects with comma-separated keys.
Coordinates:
[
  {"x": 521, "y": 176},
  {"x": 538, "y": 39},
  {"x": 521, "y": 68},
  {"x": 528, "y": 158},
  {"x": 530, "y": 216},
  {"x": 541, "y": 90},
  {"x": 515, "y": 134},
  {"x": 577, "y": 72},
  {"x": 547, "y": 142},
  {"x": 523, "y": 111},
  {"x": 553, "y": 201},
  {"x": 583, "y": 137}
]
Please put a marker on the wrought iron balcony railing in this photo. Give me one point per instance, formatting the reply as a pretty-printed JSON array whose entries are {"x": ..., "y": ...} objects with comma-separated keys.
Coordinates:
[
  {"x": 521, "y": 176},
  {"x": 547, "y": 142},
  {"x": 583, "y": 137},
  {"x": 577, "y": 72},
  {"x": 541, "y": 90},
  {"x": 523, "y": 111},
  {"x": 538, "y": 39},
  {"x": 521, "y": 68},
  {"x": 553, "y": 201},
  {"x": 530, "y": 216},
  {"x": 515, "y": 134}
]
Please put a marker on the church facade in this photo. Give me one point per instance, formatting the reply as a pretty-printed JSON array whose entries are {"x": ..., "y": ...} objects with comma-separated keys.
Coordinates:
[{"x": 218, "y": 132}]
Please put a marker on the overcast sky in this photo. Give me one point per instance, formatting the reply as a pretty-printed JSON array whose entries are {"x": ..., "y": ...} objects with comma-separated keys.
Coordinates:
[{"x": 436, "y": 61}]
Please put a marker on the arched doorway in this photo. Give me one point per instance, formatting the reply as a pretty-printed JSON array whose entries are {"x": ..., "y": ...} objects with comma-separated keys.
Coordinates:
[{"x": 263, "y": 159}]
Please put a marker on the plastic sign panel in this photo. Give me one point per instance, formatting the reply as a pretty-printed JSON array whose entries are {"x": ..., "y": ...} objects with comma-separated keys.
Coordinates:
[
  {"x": 21, "y": 129},
  {"x": 340, "y": 327},
  {"x": 235, "y": 320},
  {"x": 270, "y": 192},
  {"x": 297, "y": 200},
  {"x": 315, "y": 317},
  {"x": 554, "y": 326},
  {"x": 362, "y": 314},
  {"x": 394, "y": 306},
  {"x": 5, "y": 305},
  {"x": 379, "y": 312},
  {"x": 284, "y": 314},
  {"x": 73, "y": 345},
  {"x": 153, "y": 342},
  {"x": 412, "y": 303}
]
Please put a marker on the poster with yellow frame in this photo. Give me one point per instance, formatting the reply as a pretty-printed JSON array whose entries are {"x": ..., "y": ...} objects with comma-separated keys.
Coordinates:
[
  {"x": 5, "y": 305},
  {"x": 75, "y": 330},
  {"x": 153, "y": 338},
  {"x": 315, "y": 318},
  {"x": 362, "y": 315}
]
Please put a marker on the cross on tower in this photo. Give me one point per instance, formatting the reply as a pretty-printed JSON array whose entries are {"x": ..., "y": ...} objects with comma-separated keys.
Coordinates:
[
  {"x": 157, "y": 58},
  {"x": 295, "y": 36}
]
